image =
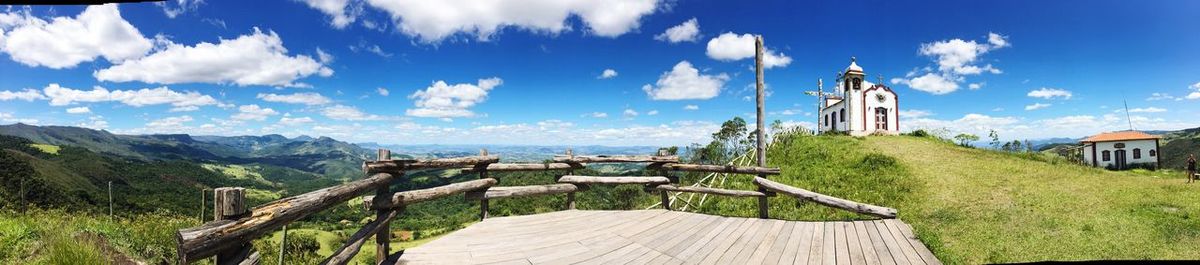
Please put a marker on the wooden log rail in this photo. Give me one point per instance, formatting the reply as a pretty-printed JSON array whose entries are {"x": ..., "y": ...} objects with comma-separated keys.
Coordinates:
[
  {"x": 400, "y": 199},
  {"x": 514, "y": 167},
  {"x": 826, "y": 200},
  {"x": 713, "y": 191},
  {"x": 573, "y": 159},
  {"x": 720, "y": 169},
  {"x": 207, "y": 240},
  {"x": 440, "y": 163},
  {"x": 523, "y": 191},
  {"x": 614, "y": 180}
]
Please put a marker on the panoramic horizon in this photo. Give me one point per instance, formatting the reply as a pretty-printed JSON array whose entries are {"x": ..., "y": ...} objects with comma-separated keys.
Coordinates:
[{"x": 647, "y": 73}]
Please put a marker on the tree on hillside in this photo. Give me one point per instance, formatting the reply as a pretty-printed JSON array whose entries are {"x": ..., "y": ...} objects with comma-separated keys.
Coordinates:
[
  {"x": 995, "y": 139},
  {"x": 965, "y": 139}
]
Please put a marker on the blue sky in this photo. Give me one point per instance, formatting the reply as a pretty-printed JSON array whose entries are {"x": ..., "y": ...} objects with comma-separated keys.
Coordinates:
[{"x": 466, "y": 72}]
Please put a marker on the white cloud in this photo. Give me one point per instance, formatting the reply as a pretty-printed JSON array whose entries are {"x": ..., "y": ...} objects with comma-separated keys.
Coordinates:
[
  {"x": 182, "y": 101},
  {"x": 343, "y": 112},
  {"x": 306, "y": 98},
  {"x": 732, "y": 47},
  {"x": 340, "y": 12},
  {"x": 94, "y": 122},
  {"x": 64, "y": 42},
  {"x": 382, "y": 91},
  {"x": 323, "y": 57},
  {"x": 1147, "y": 110},
  {"x": 914, "y": 113},
  {"x": 1037, "y": 106},
  {"x": 1195, "y": 91},
  {"x": 178, "y": 7},
  {"x": 28, "y": 94},
  {"x": 79, "y": 110},
  {"x": 371, "y": 48},
  {"x": 933, "y": 83},
  {"x": 598, "y": 115},
  {"x": 288, "y": 121},
  {"x": 956, "y": 59},
  {"x": 253, "y": 112},
  {"x": 629, "y": 113},
  {"x": 608, "y": 73},
  {"x": 442, "y": 100},
  {"x": 686, "y": 82},
  {"x": 255, "y": 59},
  {"x": 169, "y": 122},
  {"x": 652, "y": 113},
  {"x": 1161, "y": 96},
  {"x": 691, "y": 107},
  {"x": 433, "y": 21},
  {"x": 1050, "y": 93},
  {"x": 688, "y": 31}
]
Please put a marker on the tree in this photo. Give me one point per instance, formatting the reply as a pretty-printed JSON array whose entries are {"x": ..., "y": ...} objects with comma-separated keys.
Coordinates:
[
  {"x": 965, "y": 139},
  {"x": 995, "y": 139}
]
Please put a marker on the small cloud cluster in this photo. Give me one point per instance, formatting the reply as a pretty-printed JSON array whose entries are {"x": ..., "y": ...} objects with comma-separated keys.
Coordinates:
[
  {"x": 686, "y": 82},
  {"x": 607, "y": 73},
  {"x": 956, "y": 59},
  {"x": 733, "y": 47},
  {"x": 180, "y": 101},
  {"x": 442, "y": 100},
  {"x": 306, "y": 98},
  {"x": 434, "y": 21},
  {"x": 688, "y": 31}
]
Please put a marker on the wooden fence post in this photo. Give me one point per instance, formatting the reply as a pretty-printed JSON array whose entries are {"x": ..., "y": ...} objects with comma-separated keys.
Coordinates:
[
  {"x": 230, "y": 204},
  {"x": 570, "y": 195},
  {"x": 483, "y": 203},
  {"x": 761, "y": 142},
  {"x": 383, "y": 197},
  {"x": 666, "y": 198}
]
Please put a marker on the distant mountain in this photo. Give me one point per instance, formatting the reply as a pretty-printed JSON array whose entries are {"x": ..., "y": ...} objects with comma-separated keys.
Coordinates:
[
  {"x": 510, "y": 153},
  {"x": 1045, "y": 144},
  {"x": 321, "y": 155}
]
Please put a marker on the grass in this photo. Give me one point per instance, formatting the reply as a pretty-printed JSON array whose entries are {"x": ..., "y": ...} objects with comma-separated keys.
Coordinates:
[
  {"x": 977, "y": 206},
  {"x": 47, "y": 148},
  {"x": 60, "y": 237}
]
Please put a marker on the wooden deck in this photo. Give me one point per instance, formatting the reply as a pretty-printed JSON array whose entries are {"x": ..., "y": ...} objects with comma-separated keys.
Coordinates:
[{"x": 671, "y": 237}]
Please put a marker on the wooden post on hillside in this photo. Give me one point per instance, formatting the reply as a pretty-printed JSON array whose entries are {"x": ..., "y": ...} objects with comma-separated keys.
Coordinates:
[
  {"x": 282, "y": 244},
  {"x": 760, "y": 142},
  {"x": 662, "y": 194},
  {"x": 483, "y": 203},
  {"x": 570, "y": 195},
  {"x": 203, "y": 200},
  {"x": 383, "y": 198},
  {"x": 110, "y": 202},
  {"x": 230, "y": 204}
]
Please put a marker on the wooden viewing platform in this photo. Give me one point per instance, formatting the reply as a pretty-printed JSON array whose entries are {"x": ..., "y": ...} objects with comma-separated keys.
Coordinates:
[{"x": 670, "y": 237}]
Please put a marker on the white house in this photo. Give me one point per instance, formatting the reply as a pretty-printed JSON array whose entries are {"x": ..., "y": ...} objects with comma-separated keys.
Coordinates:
[
  {"x": 860, "y": 107},
  {"x": 1121, "y": 150}
]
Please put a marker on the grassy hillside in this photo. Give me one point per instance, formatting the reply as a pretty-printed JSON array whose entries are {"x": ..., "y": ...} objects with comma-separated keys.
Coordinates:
[{"x": 975, "y": 206}]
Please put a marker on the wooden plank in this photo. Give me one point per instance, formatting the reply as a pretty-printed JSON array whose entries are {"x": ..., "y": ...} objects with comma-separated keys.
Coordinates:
[
  {"x": 728, "y": 252},
  {"x": 867, "y": 246},
  {"x": 801, "y": 234},
  {"x": 206, "y": 240},
  {"x": 646, "y": 258},
  {"x": 421, "y": 195},
  {"x": 685, "y": 228},
  {"x": 521, "y": 191},
  {"x": 922, "y": 250},
  {"x": 826, "y": 200},
  {"x": 890, "y": 241},
  {"x": 828, "y": 249},
  {"x": 758, "y": 254},
  {"x": 396, "y": 166},
  {"x": 910, "y": 249},
  {"x": 877, "y": 242},
  {"x": 840, "y": 246},
  {"x": 686, "y": 250},
  {"x": 698, "y": 232},
  {"x": 852, "y": 244},
  {"x": 721, "y": 169},
  {"x": 615, "y": 159},
  {"x": 698, "y": 252},
  {"x": 713, "y": 191},
  {"x": 814, "y": 245},
  {"x": 614, "y": 180},
  {"x": 781, "y": 242}
]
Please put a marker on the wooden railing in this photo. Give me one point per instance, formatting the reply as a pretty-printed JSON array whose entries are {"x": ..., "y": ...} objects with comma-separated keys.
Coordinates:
[{"x": 228, "y": 237}]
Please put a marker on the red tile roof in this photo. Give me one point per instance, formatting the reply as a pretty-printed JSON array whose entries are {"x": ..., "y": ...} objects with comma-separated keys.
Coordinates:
[{"x": 1120, "y": 136}]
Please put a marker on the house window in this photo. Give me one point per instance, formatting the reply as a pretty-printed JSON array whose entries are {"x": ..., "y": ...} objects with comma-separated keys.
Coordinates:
[
  {"x": 826, "y": 120},
  {"x": 1137, "y": 153},
  {"x": 1153, "y": 152},
  {"x": 843, "y": 114},
  {"x": 1105, "y": 155},
  {"x": 857, "y": 84}
]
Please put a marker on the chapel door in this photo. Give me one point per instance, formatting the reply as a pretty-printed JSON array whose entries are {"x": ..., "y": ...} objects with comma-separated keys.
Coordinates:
[
  {"x": 881, "y": 119},
  {"x": 1120, "y": 159}
]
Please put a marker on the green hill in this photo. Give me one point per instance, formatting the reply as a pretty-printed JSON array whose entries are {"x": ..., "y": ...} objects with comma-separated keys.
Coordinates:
[{"x": 974, "y": 206}]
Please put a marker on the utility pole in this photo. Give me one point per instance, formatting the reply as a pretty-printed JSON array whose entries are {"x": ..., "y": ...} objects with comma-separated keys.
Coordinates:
[
  {"x": 282, "y": 243},
  {"x": 820, "y": 94}
]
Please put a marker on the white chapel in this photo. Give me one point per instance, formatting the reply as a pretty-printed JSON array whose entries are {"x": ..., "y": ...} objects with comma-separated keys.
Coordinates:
[{"x": 859, "y": 107}]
